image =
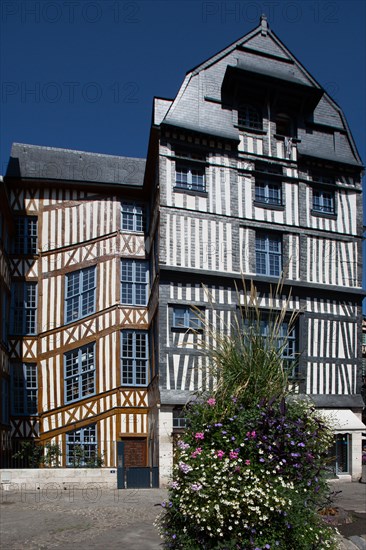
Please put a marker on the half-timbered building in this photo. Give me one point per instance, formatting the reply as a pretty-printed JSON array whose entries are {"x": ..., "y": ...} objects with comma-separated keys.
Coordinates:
[
  {"x": 83, "y": 304},
  {"x": 259, "y": 175},
  {"x": 251, "y": 172},
  {"x": 6, "y": 228}
]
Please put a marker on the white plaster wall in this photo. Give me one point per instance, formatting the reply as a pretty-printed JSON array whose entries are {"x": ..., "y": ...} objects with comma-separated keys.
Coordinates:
[{"x": 166, "y": 445}]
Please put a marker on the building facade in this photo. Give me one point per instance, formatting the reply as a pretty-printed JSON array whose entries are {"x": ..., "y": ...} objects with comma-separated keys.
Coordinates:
[{"x": 251, "y": 173}]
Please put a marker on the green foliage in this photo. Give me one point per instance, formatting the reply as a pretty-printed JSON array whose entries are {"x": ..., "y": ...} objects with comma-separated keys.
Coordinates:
[{"x": 35, "y": 454}]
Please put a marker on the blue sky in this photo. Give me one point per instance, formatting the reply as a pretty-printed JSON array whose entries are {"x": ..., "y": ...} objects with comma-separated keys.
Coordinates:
[{"x": 82, "y": 74}]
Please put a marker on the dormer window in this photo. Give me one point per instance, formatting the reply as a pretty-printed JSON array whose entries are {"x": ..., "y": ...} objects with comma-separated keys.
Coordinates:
[{"x": 249, "y": 117}]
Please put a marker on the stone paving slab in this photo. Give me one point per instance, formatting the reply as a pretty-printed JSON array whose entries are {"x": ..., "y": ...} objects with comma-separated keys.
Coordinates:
[{"x": 98, "y": 518}]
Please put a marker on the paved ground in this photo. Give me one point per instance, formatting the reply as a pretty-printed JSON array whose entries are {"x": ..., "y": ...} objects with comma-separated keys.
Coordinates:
[{"x": 121, "y": 520}]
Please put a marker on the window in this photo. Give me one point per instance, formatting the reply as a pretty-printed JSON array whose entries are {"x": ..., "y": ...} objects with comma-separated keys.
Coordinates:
[
  {"x": 249, "y": 117},
  {"x": 323, "y": 178},
  {"x": 5, "y": 318},
  {"x": 26, "y": 235},
  {"x": 134, "y": 282},
  {"x": 286, "y": 341},
  {"x": 24, "y": 308},
  {"x": 24, "y": 389},
  {"x": 268, "y": 192},
  {"x": 179, "y": 419},
  {"x": 188, "y": 177},
  {"x": 268, "y": 255},
  {"x": 79, "y": 373},
  {"x": 133, "y": 217},
  {"x": 323, "y": 201},
  {"x": 82, "y": 447},
  {"x": 134, "y": 358},
  {"x": 186, "y": 318},
  {"x": 80, "y": 294},
  {"x": 4, "y": 401},
  {"x": 284, "y": 125}
]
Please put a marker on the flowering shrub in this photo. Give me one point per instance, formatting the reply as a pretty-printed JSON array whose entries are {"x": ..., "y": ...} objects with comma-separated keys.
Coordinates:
[
  {"x": 254, "y": 482},
  {"x": 248, "y": 469}
]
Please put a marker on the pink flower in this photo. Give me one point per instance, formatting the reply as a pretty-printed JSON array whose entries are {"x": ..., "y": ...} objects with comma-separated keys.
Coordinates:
[
  {"x": 220, "y": 454},
  {"x": 211, "y": 401},
  {"x": 198, "y": 451},
  {"x": 200, "y": 435},
  {"x": 247, "y": 463},
  {"x": 233, "y": 455}
]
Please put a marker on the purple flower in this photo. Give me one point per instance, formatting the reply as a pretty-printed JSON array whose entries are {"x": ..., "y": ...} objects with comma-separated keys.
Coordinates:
[
  {"x": 183, "y": 445},
  {"x": 196, "y": 486},
  {"x": 218, "y": 425},
  {"x": 301, "y": 444},
  {"x": 223, "y": 432},
  {"x": 185, "y": 468}
]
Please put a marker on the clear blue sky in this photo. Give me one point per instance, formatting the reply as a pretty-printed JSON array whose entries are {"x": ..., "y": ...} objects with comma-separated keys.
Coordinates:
[{"x": 82, "y": 74}]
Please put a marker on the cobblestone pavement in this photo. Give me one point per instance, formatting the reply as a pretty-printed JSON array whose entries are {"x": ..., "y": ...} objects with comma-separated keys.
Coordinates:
[
  {"x": 82, "y": 519},
  {"x": 108, "y": 519}
]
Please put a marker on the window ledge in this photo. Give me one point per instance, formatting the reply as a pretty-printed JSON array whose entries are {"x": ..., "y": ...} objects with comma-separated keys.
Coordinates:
[
  {"x": 269, "y": 206},
  {"x": 178, "y": 189},
  {"x": 319, "y": 214},
  {"x": 293, "y": 138},
  {"x": 251, "y": 130},
  {"x": 187, "y": 329}
]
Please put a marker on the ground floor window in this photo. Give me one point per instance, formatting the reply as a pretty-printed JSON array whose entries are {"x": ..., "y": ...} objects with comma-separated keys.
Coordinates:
[
  {"x": 82, "y": 447},
  {"x": 340, "y": 453}
]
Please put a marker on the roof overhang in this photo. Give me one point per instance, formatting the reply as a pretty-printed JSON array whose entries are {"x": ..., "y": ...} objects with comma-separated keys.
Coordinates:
[
  {"x": 342, "y": 420},
  {"x": 278, "y": 84}
]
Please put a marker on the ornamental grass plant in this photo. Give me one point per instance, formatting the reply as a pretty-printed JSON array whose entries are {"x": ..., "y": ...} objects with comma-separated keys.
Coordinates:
[{"x": 248, "y": 470}]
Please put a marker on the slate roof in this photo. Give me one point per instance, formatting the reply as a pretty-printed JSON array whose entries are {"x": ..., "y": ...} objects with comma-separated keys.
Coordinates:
[
  {"x": 200, "y": 104},
  {"x": 49, "y": 163}
]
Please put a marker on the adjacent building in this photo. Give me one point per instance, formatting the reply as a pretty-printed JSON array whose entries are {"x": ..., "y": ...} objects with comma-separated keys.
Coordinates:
[{"x": 251, "y": 173}]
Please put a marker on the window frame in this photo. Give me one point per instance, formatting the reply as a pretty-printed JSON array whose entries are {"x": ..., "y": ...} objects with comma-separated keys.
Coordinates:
[
  {"x": 23, "y": 316},
  {"x": 246, "y": 118},
  {"x": 132, "y": 286},
  {"x": 79, "y": 375},
  {"x": 22, "y": 395},
  {"x": 134, "y": 221},
  {"x": 80, "y": 295},
  {"x": 182, "y": 167},
  {"x": 268, "y": 254},
  {"x": 25, "y": 239},
  {"x": 265, "y": 199},
  {"x": 129, "y": 361},
  {"x": 322, "y": 208},
  {"x": 190, "y": 319},
  {"x": 84, "y": 442}
]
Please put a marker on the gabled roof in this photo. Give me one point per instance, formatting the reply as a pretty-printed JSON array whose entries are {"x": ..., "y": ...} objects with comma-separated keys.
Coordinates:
[
  {"x": 258, "y": 57},
  {"x": 49, "y": 163}
]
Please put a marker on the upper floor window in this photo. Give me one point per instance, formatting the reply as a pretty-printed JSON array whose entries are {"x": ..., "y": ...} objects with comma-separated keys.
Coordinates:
[
  {"x": 26, "y": 235},
  {"x": 323, "y": 178},
  {"x": 190, "y": 177},
  {"x": 80, "y": 294},
  {"x": 179, "y": 418},
  {"x": 4, "y": 382},
  {"x": 24, "y": 389},
  {"x": 82, "y": 447},
  {"x": 24, "y": 308},
  {"x": 268, "y": 192},
  {"x": 284, "y": 125},
  {"x": 286, "y": 340},
  {"x": 134, "y": 358},
  {"x": 133, "y": 217},
  {"x": 268, "y": 253},
  {"x": 323, "y": 201},
  {"x": 134, "y": 282},
  {"x": 249, "y": 117},
  {"x": 186, "y": 318},
  {"x": 79, "y": 373}
]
